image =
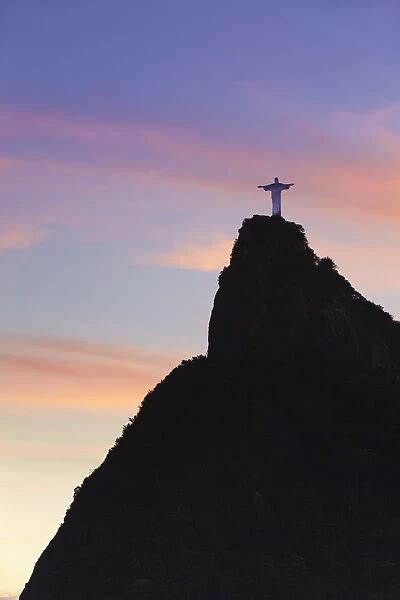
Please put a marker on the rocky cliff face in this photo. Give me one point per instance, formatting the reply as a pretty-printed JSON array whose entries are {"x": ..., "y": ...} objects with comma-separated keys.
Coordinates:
[{"x": 269, "y": 468}]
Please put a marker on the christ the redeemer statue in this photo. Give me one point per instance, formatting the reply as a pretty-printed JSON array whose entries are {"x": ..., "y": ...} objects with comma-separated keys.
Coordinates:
[{"x": 276, "y": 189}]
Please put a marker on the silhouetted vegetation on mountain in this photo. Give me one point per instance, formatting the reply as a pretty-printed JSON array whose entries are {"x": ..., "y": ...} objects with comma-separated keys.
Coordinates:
[{"x": 266, "y": 470}]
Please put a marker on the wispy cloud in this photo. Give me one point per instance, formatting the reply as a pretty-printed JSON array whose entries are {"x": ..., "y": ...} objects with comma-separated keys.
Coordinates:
[
  {"x": 122, "y": 145},
  {"x": 199, "y": 256},
  {"x": 65, "y": 372},
  {"x": 7, "y": 162},
  {"x": 347, "y": 163},
  {"x": 20, "y": 237},
  {"x": 361, "y": 261}
]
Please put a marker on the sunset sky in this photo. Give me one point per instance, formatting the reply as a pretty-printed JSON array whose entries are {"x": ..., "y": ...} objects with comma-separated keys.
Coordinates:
[{"x": 133, "y": 136}]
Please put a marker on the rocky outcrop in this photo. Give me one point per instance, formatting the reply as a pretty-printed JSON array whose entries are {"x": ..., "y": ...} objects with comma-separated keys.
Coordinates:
[{"x": 277, "y": 295}]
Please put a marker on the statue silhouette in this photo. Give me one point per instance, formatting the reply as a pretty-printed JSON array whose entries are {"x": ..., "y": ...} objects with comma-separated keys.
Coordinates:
[{"x": 276, "y": 189}]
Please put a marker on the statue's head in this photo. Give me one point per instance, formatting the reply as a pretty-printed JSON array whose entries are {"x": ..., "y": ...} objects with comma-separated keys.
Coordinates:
[{"x": 276, "y": 180}]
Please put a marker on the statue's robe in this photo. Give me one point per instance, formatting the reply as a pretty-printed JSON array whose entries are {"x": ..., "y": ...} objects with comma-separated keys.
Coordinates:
[{"x": 276, "y": 189}]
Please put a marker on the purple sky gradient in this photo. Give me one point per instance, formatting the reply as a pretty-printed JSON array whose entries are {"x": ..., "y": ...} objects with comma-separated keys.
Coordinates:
[{"x": 132, "y": 139}]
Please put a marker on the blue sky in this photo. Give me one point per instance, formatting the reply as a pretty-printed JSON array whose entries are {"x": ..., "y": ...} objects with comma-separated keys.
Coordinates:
[{"x": 132, "y": 139}]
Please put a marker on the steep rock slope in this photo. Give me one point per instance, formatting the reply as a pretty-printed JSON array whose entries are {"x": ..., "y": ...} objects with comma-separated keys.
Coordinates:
[{"x": 269, "y": 468}]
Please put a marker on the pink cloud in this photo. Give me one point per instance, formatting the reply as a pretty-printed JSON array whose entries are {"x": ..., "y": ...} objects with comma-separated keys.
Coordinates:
[
  {"x": 7, "y": 162},
  {"x": 361, "y": 262},
  {"x": 59, "y": 372},
  {"x": 346, "y": 165},
  {"x": 20, "y": 237},
  {"x": 93, "y": 350},
  {"x": 107, "y": 135},
  {"x": 201, "y": 256}
]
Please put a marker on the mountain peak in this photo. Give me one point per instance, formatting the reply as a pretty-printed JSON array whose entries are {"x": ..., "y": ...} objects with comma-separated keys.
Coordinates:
[
  {"x": 277, "y": 295},
  {"x": 267, "y": 469},
  {"x": 262, "y": 283}
]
